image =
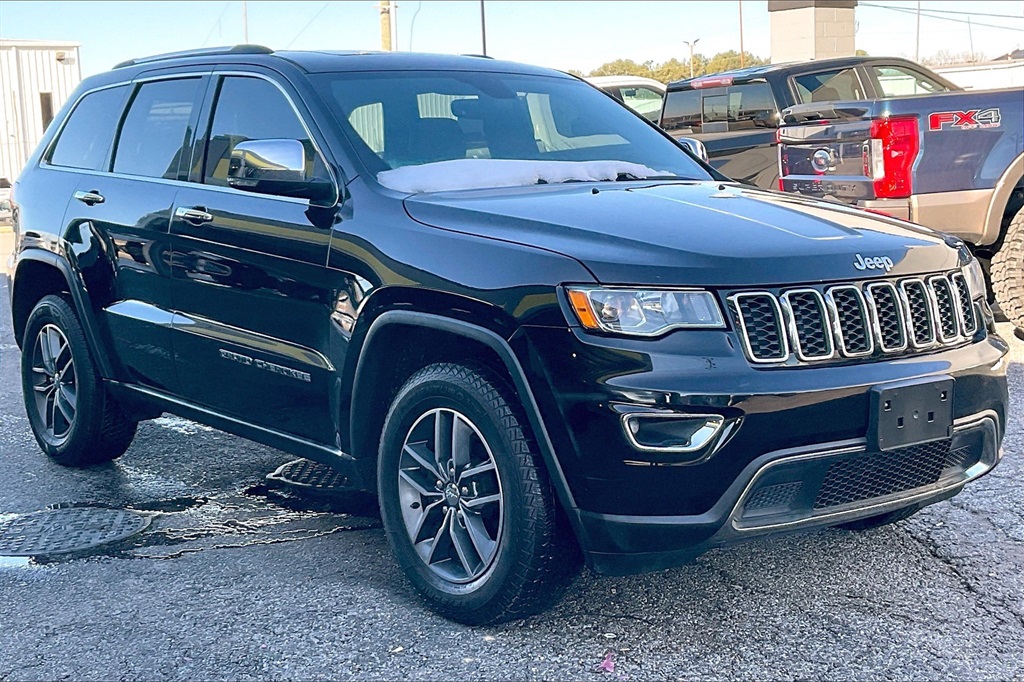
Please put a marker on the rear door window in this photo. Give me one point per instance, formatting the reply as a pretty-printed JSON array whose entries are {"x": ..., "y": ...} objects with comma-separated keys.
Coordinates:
[
  {"x": 829, "y": 86},
  {"x": 86, "y": 138},
  {"x": 682, "y": 111},
  {"x": 155, "y": 133},
  {"x": 899, "y": 81}
]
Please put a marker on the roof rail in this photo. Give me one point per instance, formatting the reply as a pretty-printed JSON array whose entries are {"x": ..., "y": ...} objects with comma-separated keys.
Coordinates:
[{"x": 203, "y": 52}]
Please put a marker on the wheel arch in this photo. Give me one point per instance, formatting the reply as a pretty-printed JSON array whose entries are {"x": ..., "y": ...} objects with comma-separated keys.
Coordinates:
[
  {"x": 376, "y": 380},
  {"x": 40, "y": 273},
  {"x": 1004, "y": 196}
]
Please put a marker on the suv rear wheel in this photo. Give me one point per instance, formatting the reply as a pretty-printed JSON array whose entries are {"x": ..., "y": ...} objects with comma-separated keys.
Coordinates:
[
  {"x": 75, "y": 421},
  {"x": 468, "y": 508},
  {"x": 1008, "y": 272}
]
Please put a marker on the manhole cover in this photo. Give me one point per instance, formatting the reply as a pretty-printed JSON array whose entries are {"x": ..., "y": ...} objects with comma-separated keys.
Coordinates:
[
  {"x": 309, "y": 476},
  {"x": 73, "y": 529}
]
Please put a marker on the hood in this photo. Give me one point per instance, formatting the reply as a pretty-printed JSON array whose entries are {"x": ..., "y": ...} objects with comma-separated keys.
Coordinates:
[{"x": 693, "y": 233}]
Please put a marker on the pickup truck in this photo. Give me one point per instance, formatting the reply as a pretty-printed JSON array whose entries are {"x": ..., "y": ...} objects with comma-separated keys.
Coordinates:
[
  {"x": 736, "y": 113},
  {"x": 952, "y": 162}
]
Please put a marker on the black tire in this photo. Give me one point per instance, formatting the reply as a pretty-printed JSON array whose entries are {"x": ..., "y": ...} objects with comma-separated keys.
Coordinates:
[
  {"x": 533, "y": 556},
  {"x": 880, "y": 520},
  {"x": 89, "y": 429},
  {"x": 1007, "y": 272}
]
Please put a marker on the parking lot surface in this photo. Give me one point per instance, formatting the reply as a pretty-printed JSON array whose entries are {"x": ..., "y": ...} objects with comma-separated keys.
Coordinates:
[{"x": 235, "y": 581}]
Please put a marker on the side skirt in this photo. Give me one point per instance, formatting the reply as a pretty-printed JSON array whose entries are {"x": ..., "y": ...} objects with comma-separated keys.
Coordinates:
[{"x": 342, "y": 462}]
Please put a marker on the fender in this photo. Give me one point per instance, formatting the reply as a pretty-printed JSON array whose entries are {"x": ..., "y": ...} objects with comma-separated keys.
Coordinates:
[
  {"x": 515, "y": 371},
  {"x": 80, "y": 298},
  {"x": 1000, "y": 197}
]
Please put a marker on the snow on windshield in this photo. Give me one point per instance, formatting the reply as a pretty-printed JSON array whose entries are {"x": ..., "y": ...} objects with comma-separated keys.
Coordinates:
[{"x": 460, "y": 174}]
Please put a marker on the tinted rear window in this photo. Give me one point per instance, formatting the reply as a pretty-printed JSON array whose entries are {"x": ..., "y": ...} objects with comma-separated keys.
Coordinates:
[
  {"x": 155, "y": 131},
  {"x": 829, "y": 86},
  {"x": 85, "y": 139},
  {"x": 682, "y": 110}
]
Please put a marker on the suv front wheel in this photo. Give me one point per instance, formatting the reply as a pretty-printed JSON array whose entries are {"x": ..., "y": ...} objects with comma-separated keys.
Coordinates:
[
  {"x": 468, "y": 508},
  {"x": 75, "y": 421}
]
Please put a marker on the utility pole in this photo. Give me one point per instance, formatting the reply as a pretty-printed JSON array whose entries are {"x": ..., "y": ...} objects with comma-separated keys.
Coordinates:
[
  {"x": 691, "y": 46},
  {"x": 742, "y": 58},
  {"x": 245, "y": 22},
  {"x": 385, "y": 25},
  {"x": 917, "y": 48},
  {"x": 483, "y": 29},
  {"x": 970, "y": 36}
]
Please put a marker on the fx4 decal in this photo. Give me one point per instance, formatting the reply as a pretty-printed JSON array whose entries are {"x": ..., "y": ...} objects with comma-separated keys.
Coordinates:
[{"x": 964, "y": 120}]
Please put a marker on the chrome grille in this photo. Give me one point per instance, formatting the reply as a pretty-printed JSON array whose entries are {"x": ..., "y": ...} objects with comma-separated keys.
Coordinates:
[
  {"x": 851, "y": 316},
  {"x": 945, "y": 308},
  {"x": 854, "y": 320},
  {"x": 760, "y": 321},
  {"x": 809, "y": 326},
  {"x": 887, "y": 309},
  {"x": 965, "y": 306}
]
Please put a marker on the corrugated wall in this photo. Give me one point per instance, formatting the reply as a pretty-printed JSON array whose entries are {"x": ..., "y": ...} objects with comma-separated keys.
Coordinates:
[{"x": 25, "y": 73}]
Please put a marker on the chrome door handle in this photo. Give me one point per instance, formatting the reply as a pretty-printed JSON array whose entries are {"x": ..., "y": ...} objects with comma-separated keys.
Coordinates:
[
  {"x": 89, "y": 198},
  {"x": 196, "y": 216}
]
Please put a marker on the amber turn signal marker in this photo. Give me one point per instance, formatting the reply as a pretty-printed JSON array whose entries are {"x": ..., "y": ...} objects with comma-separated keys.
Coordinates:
[{"x": 581, "y": 304}]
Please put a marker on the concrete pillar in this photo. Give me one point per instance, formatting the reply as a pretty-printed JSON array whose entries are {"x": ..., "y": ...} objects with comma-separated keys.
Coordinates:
[{"x": 811, "y": 29}]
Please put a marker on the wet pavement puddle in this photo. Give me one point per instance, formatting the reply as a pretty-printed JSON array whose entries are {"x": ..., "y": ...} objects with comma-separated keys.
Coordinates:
[{"x": 262, "y": 514}]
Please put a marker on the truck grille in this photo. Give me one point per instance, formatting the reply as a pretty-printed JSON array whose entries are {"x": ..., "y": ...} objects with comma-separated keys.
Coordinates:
[{"x": 855, "y": 320}]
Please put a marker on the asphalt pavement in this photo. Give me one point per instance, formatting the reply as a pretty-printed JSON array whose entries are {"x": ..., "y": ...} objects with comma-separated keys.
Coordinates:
[{"x": 234, "y": 581}]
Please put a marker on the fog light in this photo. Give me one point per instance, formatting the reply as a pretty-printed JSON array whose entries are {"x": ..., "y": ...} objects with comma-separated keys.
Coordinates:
[{"x": 671, "y": 432}]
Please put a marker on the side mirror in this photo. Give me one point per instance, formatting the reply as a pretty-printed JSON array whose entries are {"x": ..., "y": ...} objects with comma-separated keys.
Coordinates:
[
  {"x": 275, "y": 167},
  {"x": 695, "y": 147}
]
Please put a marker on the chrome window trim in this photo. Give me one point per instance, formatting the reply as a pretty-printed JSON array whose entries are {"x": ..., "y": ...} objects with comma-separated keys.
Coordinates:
[
  {"x": 734, "y": 301},
  {"x": 830, "y": 299},
  {"x": 942, "y": 338},
  {"x": 787, "y": 308},
  {"x": 44, "y": 159},
  {"x": 934, "y": 337},
  {"x": 876, "y": 321}
]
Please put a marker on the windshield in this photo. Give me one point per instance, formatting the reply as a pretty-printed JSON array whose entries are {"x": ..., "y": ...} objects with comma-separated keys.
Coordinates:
[{"x": 413, "y": 118}]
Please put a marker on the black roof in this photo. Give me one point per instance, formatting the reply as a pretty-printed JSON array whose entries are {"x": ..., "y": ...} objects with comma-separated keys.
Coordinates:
[
  {"x": 786, "y": 68},
  {"x": 320, "y": 61}
]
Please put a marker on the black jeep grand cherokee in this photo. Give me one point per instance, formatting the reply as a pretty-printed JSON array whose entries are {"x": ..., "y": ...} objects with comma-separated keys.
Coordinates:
[{"x": 519, "y": 313}]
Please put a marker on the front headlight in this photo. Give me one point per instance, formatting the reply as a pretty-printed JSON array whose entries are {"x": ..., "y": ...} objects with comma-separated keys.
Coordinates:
[
  {"x": 975, "y": 277},
  {"x": 644, "y": 312}
]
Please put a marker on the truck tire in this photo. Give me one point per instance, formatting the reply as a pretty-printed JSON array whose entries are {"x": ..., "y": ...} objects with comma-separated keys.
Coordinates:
[
  {"x": 73, "y": 417},
  {"x": 467, "y": 506},
  {"x": 1008, "y": 272}
]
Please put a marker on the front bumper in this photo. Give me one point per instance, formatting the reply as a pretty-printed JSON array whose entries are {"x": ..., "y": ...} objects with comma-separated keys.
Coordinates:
[
  {"x": 637, "y": 511},
  {"x": 798, "y": 489}
]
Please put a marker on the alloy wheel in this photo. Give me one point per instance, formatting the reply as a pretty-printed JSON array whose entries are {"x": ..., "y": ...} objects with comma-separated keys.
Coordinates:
[
  {"x": 450, "y": 494},
  {"x": 54, "y": 382}
]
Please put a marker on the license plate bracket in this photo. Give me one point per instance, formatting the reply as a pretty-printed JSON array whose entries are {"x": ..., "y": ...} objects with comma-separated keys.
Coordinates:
[{"x": 911, "y": 412}]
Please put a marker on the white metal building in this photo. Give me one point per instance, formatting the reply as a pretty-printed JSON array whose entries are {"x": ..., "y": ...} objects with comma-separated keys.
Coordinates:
[{"x": 36, "y": 78}]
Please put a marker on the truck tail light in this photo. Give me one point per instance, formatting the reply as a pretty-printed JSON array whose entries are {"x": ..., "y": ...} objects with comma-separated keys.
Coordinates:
[{"x": 889, "y": 156}]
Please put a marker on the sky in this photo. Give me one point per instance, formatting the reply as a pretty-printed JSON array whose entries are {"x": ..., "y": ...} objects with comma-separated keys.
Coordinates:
[{"x": 568, "y": 34}]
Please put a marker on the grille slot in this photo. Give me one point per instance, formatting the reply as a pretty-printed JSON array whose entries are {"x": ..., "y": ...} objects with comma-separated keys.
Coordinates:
[
  {"x": 779, "y": 495},
  {"x": 945, "y": 308},
  {"x": 965, "y": 306},
  {"x": 809, "y": 324},
  {"x": 922, "y": 323},
  {"x": 890, "y": 329},
  {"x": 877, "y": 474},
  {"x": 760, "y": 321},
  {"x": 853, "y": 331}
]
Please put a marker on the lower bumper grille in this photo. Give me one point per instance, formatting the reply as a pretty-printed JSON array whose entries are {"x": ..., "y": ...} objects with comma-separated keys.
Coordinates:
[
  {"x": 819, "y": 487},
  {"x": 878, "y": 474}
]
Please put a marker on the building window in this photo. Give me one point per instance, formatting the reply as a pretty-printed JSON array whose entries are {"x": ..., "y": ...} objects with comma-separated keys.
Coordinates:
[{"x": 46, "y": 107}]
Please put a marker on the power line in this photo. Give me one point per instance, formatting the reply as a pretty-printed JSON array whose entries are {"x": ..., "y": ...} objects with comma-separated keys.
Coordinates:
[
  {"x": 318, "y": 13},
  {"x": 925, "y": 13},
  {"x": 216, "y": 23},
  {"x": 947, "y": 11}
]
